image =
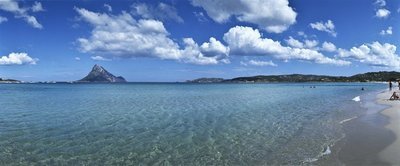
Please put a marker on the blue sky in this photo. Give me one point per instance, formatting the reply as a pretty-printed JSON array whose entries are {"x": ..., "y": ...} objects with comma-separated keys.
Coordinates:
[{"x": 174, "y": 40}]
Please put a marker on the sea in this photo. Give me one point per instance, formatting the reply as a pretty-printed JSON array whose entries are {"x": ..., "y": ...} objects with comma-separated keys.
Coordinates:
[{"x": 176, "y": 123}]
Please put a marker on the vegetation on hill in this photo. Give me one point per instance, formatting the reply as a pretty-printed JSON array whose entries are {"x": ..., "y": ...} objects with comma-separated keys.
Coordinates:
[{"x": 366, "y": 77}]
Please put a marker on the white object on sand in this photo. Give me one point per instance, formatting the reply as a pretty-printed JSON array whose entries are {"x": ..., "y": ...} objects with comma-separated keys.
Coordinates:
[{"x": 357, "y": 99}]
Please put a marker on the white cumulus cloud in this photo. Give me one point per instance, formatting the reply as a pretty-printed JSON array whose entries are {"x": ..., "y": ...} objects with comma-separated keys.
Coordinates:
[
  {"x": 108, "y": 7},
  {"x": 375, "y": 54},
  {"x": 3, "y": 19},
  {"x": 299, "y": 44},
  {"x": 311, "y": 43},
  {"x": 302, "y": 34},
  {"x": 122, "y": 36},
  {"x": 12, "y": 6},
  {"x": 248, "y": 41},
  {"x": 382, "y": 13},
  {"x": 271, "y": 15},
  {"x": 192, "y": 54},
  {"x": 161, "y": 12},
  {"x": 33, "y": 22},
  {"x": 294, "y": 42},
  {"x": 99, "y": 58},
  {"x": 380, "y": 3},
  {"x": 388, "y": 31},
  {"x": 17, "y": 59},
  {"x": 258, "y": 63},
  {"x": 328, "y": 46},
  {"x": 325, "y": 27},
  {"x": 37, "y": 7},
  {"x": 214, "y": 47}
]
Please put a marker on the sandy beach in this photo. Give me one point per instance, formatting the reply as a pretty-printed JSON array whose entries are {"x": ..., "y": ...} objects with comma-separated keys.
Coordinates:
[
  {"x": 370, "y": 139},
  {"x": 391, "y": 154}
]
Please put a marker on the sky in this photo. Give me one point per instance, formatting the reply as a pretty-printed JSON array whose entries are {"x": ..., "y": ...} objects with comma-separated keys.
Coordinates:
[{"x": 178, "y": 40}]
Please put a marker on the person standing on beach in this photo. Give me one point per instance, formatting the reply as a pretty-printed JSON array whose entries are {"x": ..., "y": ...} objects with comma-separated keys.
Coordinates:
[
  {"x": 390, "y": 85},
  {"x": 398, "y": 84}
]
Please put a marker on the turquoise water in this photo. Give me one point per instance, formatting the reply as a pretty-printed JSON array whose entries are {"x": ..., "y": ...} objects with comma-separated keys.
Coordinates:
[{"x": 187, "y": 124}]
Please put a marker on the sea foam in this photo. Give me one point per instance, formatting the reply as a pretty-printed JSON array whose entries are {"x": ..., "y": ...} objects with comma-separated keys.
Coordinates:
[
  {"x": 326, "y": 151},
  {"x": 346, "y": 120}
]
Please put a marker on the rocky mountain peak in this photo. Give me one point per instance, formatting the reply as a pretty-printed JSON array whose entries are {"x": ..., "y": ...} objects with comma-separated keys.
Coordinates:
[
  {"x": 98, "y": 68},
  {"x": 99, "y": 74}
]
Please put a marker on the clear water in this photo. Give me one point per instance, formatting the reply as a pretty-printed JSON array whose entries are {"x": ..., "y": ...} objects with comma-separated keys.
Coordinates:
[{"x": 172, "y": 124}]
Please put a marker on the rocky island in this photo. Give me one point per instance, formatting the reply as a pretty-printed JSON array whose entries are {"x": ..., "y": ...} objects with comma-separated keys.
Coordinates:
[
  {"x": 5, "y": 81},
  {"x": 101, "y": 75}
]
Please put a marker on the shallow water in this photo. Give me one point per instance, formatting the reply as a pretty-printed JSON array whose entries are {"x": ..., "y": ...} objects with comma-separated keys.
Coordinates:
[{"x": 197, "y": 124}]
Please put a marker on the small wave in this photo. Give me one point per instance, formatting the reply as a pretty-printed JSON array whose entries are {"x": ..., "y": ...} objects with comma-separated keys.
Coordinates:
[
  {"x": 310, "y": 160},
  {"x": 346, "y": 120},
  {"x": 357, "y": 99},
  {"x": 325, "y": 152}
]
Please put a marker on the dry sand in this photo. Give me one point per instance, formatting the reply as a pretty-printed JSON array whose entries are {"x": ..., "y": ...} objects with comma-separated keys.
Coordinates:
[{"x": 391, "y": 154}]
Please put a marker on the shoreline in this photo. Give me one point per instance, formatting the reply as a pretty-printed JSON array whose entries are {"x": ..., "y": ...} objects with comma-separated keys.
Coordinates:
[
  {"x": 369, "y": 139},
  {"x": 392, "y": 152},
  {"x": 373, "y": 138}
]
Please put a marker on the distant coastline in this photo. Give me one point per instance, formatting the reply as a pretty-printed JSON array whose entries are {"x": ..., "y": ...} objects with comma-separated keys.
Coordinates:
[
  {"x": 5, "y": 81},
  {"x": 382, "y": 76}
]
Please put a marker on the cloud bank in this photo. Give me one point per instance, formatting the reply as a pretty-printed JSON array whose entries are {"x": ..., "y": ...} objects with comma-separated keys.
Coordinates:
[
  {"x": 122, "y": 36},
  {"x": 248, "y": 41},
  {"x": 374, "y": 54}
]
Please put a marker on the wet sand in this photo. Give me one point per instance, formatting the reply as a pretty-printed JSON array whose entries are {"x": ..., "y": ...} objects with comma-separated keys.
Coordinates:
[
  {"x": 369, "y": 139},
  {"x": 391, "y": 154},
  {"x": 364, "y": 141}
]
